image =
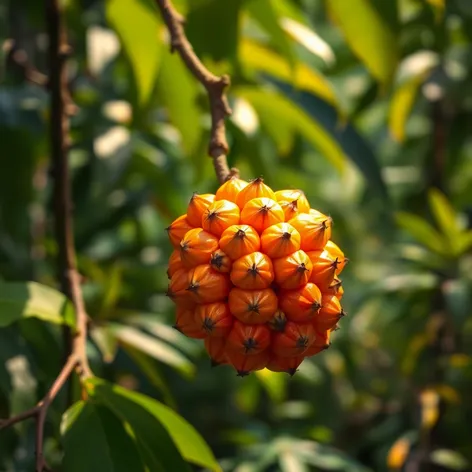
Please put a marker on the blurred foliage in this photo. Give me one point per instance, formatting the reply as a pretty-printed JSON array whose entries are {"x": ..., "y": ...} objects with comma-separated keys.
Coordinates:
[{"x": 366, "y": 105}]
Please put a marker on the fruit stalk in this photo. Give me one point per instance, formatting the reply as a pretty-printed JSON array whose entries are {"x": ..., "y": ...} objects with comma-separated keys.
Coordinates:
[{"x": 215, "y": 86}]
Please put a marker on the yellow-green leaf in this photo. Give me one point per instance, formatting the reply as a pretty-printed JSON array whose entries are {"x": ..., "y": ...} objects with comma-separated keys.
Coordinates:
[
  {"x": 369, "y": 37},
  {"x": 137, "y": 24}
]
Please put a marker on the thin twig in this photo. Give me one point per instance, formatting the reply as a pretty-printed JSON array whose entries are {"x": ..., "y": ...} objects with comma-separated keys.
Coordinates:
[
  {"x": 68, "y": 275},
  {"x": 214, "y": 85}
]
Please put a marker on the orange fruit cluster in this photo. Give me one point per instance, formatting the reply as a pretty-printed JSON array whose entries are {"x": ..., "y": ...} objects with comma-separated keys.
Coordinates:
[{"x": 255, "y": 275}]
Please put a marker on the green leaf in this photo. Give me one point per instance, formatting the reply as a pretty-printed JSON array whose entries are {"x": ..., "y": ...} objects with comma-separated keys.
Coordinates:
[
  {"x": 22, "y": 300},
  {"x": 444, "y": 215},
  {"x": 401, "y": 104},
  {"x": 273, "y": 106},
  {"x": 137, "y": 24},
  {"x": 105, "y": 341},
  {"x": 274, "y": 383},
  {"x": 449, "y": 459},
  {"x": 131, "y": 404},
  {"x": 153, "y": 347},
  {"x": 96, "y": 430},
  {"x": 367, "y": 35},
  {"x": 423, "y": 232},
  {"x": 265, "y": 13},
  {"x": 177, "y": 90},
  {"x": 303, "y": 77}
]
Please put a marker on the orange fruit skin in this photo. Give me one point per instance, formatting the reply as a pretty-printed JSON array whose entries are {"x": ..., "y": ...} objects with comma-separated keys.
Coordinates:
[
  {"x": 253, "y": 271},
  {"x": 260, "y": 213},
  {"x": 290, "y": 196},
  {"x": 175, "y": 263},
  {"x": 333, "y": 288},
  {"x": 187, "y": 323},
  {"x": 254, "y": 189},
  {"x": 197, "y": 205},
  {"x": 321, "y": 343},
  {"x": 230, "y": 189},
  {"x": 177, "y": 290},
  {"x": 214, "y": 318},
  {"x": 245, "y": 364},
  {"x": 178, "y": 229},
  {"x": 293, "y": 271},
  {"x": 247, "y": 340},
  {"x": 294, "y": 340},
  {"x": 280, "y": 240},
  {"x": 220, "y": 215},
  {"x": 324, "y": 268},
  {"x": 340, "y": 292},
  {"x": 329, "y": 315},
  {"x": 285, "y": 364},
  {"x": 196, "y": 247},
  {"x": 301, "y": 305},
  {"x": 335, "y": 252},
  {"x": 215, "y": 347},
  {"x": 315, "y": 231},
  {"x": 252, "y": 306},
  {"x": 206, "y": 285},
  {"x": 239, "y": 240},
  {"x": 220, "y": 262}
]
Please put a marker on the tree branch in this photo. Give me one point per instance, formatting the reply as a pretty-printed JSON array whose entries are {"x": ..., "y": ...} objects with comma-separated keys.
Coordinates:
[
  {"x": 68, "y": 275},
  {"x": 214, "y": 85}
]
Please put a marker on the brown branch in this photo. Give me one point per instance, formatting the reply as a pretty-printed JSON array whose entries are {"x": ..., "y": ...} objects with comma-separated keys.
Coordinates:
[
  {"x": 68, "y": 274},
  {"x": 214, "y": 85}
]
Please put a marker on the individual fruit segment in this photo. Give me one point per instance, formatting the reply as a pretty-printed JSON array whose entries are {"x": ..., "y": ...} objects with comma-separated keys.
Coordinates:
[
  {"x": 177, "y": 290},
  {"x": 296, "y": 197},
  {"x": 285, "y": 364},
  {"x": 214, "y": 318},
  {"x": 253, "y": 271},
  {"x": 333, "y": 288},
  {"x": 301, "y": 305},
  {"x": 314, "y": 230},
  {"x": 197, "y": 247},
  {"x": 340, "y": 292},
  {"x": 294, "y": 340},
  {"x": 324, "y": 267},
  {"x": 230, "y": 189},
  {"x": 175, "y": 263},
  {"x": 278, "y": 321},
  {"x": 335, "y": 252},
  {"x": 254, "y": 189},
  {"x": 187, "y": 323},
  {"x": 280, "y": 240},
  {"x": 177, "y": 230},
  {"x": 206, "y": 285},
  {"x": 260, "y": 213},
  {"x": 239, "y": 240},
  {"x": 320, "y": 343},
  {"x": 293, "y": 271},
  {"x": 215, "y": 347},
  {"x": 220, "y": 215},
  {"x": 197, "y": 205},
  {"x": 245, "y": 364},
  {"x": 253, "y": 306},
  {"x": 248, "y": 339},
  {"x": 220, "y": 262},
  {"x": 329, "y": 315}
]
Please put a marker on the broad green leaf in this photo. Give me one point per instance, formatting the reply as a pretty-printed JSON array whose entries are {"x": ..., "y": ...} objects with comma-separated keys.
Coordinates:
[
  {"x": 423, "y": 232},
  {"x": 271, "y": 105},
  {"x": 137, "y": 24},
  {"x": 464, "y": 242},
  {"x": 445, "y": 216},
  {"x": 149, "y": 369},
  {"x": 153, "y": 347},
  {"x": 309, "y": 39},
  {"x": 302, "y": 76},
  {"x": 105, "y": 341},
  {"x": 22, "y": 300},
  {"x": 274, "y": 383},
  {"x": 188, "y": 441},
  {"x": 401, "y": 104},
  {"x": 367, "y": 35},
  {"x": 178, "y": 90},
  {"x": 449, "y": 459},
  {"x": 265, "y": 13},
  {"x": 96, "y": 430}
]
